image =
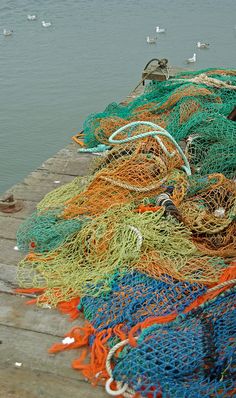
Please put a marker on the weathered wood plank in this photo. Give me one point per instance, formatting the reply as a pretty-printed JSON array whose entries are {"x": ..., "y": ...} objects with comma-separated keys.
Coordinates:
[
  {"x": 32, "y": 193},
  {"x": 31, "y": 349},
  {"x": 8, "y": 255},
  {"x": 8, "y": 227},
  {"x": 44, "y": 177},
  {"x": 15, "y": 312},
  {"x": 74, "y": 167},
  {"x": 53, "y": 173},
  {"x": 7, "y": 278},
  {"x": 70, "y": 151},
  {"x": 26, "y": 383},
  {"x": 138, "y": 91}
]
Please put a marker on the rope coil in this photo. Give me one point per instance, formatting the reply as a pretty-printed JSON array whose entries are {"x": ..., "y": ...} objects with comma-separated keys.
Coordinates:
[{"x": 158, "y": 130}]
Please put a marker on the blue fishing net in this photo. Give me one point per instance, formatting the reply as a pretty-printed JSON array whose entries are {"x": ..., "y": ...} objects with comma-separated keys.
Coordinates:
[
  {"x": 135, "y": 297},
  {"x": 193, "y": 356}
]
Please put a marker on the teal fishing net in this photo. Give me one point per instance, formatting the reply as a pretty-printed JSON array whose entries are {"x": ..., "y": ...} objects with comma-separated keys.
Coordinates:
[
  {"x": 191, "y": 110},
  {"x": 44, "y": 231},
  {"x": 193, "y": 356}
]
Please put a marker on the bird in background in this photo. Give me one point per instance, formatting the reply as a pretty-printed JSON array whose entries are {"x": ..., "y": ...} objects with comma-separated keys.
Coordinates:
[
  {"x": 160, "y": 30},
  {"x": 7, "y": 32},
  {"x": 31, "y": 17},
  {"x": 202, "y": 45},
  {"x": 46, "y": 24},
  {"x": 150, "y": 40},
  {"x": 193, "y": 59}
]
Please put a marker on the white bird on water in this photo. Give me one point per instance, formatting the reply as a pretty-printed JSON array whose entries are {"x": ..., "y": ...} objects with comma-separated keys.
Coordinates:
[
  {"x": 202, "y": 45},
  {"x": 46, "y": 24},
  {"x": 151, "y": 40},
  {"x": 31, "y": 17},
  {"x": 193, "y": 59},
  {"x": 160, "y": 30},
  {"x": 7, "y": 32}
]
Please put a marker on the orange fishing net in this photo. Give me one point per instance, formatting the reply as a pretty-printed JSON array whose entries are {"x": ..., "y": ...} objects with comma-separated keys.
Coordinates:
[
  {"x": 211, "y": 217},
  {"x": 132, "y": 173},
  {"x": 206, "y": 270},
  {"x": 188, "y": 91}
]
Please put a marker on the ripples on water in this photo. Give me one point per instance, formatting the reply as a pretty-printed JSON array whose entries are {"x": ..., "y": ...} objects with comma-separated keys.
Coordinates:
[{"x": 52, "y": 78}]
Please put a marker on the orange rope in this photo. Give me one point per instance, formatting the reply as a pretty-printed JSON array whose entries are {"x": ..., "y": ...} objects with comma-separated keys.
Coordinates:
[{"x": 77, "y": 138}]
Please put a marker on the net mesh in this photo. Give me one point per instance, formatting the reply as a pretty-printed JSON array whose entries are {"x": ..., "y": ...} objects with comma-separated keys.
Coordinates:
[
  {"x": 185, "y": 108},
  {"x": 119, "y": 239},
  {"x": 193, "y": 356},
  {"x": 138, "y": 263},
  {"x": 45, "y": 230},
  {"x": 135, "y": 296}
]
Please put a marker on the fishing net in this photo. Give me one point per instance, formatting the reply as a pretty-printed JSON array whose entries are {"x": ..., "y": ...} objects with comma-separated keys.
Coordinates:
[
  {"x": 145, "y": 245},
  {"x": 211, "y": 216},
  {"x": 58, "y": 197},
  {"x": 131, "y": 173},
  {"x": 210, "y": 144},
  {"x": 135, "y": 297},
  {"x": 198, "y": 268},
  {"x": 117, "y": 240},
  {"x": 190, "y": 109},
  {"x": 198, "y": 183},
  {"x": 194, "y": 356},
  {"x": 44, "y": 231}
]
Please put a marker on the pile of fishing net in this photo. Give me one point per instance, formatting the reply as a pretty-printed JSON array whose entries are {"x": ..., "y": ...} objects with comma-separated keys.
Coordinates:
[
  {"x": 144, "y": 248},
  {"x": 190, "y": 108}
]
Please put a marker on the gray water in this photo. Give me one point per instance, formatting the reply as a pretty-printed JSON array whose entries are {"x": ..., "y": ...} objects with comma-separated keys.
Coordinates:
[{"x": 51, "y": 79}]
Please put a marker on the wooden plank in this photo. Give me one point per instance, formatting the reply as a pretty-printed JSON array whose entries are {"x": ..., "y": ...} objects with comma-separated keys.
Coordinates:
[
  {"x": 7, "y": 278},
  {"x": 8, "y": 255},
  {"x": 32, "y": 193},
  {"x": 40, "y": 178},
  {"x": 26, "y": 383},
  {"x": 70, "y": 151},
  {"x": 53, "y": 173},
  {"x": 74, "y": 167},
  {"x": 134, "y": 94},
  {"x": 31, "y": 349},
  {"x": 15, "y": 312},
  {"x": 8, "y": 227}
]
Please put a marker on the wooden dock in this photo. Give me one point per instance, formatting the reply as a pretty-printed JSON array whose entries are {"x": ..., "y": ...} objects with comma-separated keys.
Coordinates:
[{"x": 26, "y": 331}]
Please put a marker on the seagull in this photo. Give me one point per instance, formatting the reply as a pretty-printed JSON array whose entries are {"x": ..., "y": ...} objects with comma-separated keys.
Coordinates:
[
  {"x": 7, "y": 32},
  {"x": 31, "y": 17},
  {"x": 193, "y": 59},
  {"x": 202, "y": 45},
  {"x": 160, "y": 30},
  {"x": 46, "y": 24},
  {"x": 151, "y": 40}
]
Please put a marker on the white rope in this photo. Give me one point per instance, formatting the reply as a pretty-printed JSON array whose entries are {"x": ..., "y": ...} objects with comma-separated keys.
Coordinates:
[
  {"x": 208, "y": 81},
  {"x": 189, "y": 140},
  {"x": 133, "y": 187},
  {"x": 223, "y": 284},
  {"x": 138, "y": 234},
  {"x": 123, "y": 388}
]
